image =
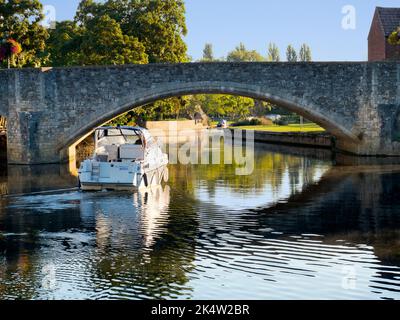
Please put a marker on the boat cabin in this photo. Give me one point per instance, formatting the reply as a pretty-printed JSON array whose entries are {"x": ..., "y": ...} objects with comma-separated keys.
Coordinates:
[{"x": 121, "y": 144}]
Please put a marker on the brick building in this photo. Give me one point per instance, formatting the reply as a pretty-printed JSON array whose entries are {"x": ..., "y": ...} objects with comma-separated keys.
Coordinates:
[{"x": 386, "y": 20}]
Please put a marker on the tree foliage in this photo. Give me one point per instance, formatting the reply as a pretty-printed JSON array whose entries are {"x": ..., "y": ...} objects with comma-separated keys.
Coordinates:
[
  {"x": 394, "y": 38},
  {"x": 64, "y": 44},
  {"x": 208, "y": 53},
  {"x": 159, "y": 25},
  {"x": 273, "y": 53},
  {"x": 305, "y": 53},
  {"x": 104, "y": 43},
  {"x": 291, "y": 54},
  {"x": 21, "y": 21},
  {"x": 219, "y": 105},
  {"x": 241, "y": 54},
  {"x": 101, "y": 42},
  {"x": 121, "y": 32}
]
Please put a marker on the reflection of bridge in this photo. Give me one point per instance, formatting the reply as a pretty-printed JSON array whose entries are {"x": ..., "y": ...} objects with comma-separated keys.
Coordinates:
[
  {"x": 50, "y": 110},
  {"x": 359, "y": 188}
]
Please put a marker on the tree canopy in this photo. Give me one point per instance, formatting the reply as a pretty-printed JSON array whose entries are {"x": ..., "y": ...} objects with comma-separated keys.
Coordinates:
[
  {"x": 291, "y": 54},
  {"x": 121, "y": 32},
  {"x": 159, "y": 25},
  {"x": 394, "y": 38},
  {"x": 104, "y": 43},
  {"x": 21, "y": 21},
  {"x": 305, "y": 53},
  {"x": 273, "y": 53},
  {"x": 241, "y": 54},
  {"x": 208, "y": 53}
]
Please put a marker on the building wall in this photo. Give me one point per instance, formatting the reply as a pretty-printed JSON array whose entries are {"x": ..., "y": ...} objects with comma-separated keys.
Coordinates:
[
  {"x": 4, "y": 92},
  {"x": 376, "y": 41},
  {"x": 392, "y": 52}
]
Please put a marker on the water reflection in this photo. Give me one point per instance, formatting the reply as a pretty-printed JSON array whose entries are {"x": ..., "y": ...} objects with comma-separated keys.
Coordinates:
[
  {"x": 300, "y": 227},
  {"x": 30, "y": 179}
]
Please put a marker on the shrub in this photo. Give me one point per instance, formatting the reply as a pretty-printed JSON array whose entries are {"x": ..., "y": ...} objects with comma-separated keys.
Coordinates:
[
  {"x": 253, "y": 122},
  {"x": 281, "y": 122},
  {"x": 247, "y": 122}
]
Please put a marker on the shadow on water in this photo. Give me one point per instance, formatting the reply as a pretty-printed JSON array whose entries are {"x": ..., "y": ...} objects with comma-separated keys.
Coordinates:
[{"x": 302, "y": 219}]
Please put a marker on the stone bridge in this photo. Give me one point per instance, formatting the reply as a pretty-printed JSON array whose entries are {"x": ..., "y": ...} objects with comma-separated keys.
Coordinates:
[{"x": 50, "y": 110}]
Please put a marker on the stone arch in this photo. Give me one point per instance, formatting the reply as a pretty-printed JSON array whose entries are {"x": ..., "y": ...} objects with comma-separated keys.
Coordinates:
[{"x": 138, "y": 99}]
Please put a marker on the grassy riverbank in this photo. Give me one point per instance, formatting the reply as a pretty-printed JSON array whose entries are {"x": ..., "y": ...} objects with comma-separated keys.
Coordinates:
[{"x": 308, "y": 127}]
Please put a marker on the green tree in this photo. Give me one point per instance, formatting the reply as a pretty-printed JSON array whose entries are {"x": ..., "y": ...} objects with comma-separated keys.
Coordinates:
[
  {"x": 21, "y": 21},
  {"x": 100, "y": 42},
  {"x": 305, "y": 53},
  {"x": 291, "y": 54},
  {"x": 166, "y": 109},
  {"x": 64, "y": 44},
  {"x": 208, "y": 53},
  {"x": 103, "y": 43},
  {"x": 241, "y": 54},
  {"x": 159, "y": 25},
  {"x": 261, "y": 108},
  {"x": 273, "y": 53},
  {"x": 394, "y": 38},
  {"x": 237, "y": 107}
]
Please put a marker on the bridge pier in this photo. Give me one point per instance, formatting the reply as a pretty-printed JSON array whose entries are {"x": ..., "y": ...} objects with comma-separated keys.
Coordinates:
[
  {"x": 27, "y": 143},
  {"x": 50, "y": 110}
]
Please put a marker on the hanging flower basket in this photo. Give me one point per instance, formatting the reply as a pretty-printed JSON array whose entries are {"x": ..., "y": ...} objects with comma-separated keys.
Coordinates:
[{"x": 9, "y": 48}]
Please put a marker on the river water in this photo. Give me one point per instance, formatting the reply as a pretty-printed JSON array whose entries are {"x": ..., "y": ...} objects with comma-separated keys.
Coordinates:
[{"x": 303, "y": 225}]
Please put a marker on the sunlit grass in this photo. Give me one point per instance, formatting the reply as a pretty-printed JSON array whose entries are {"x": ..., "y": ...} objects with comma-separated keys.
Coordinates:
[{"x": 308, "y": 127}]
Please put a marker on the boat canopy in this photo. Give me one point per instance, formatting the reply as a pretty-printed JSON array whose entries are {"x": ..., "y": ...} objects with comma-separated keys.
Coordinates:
[
  {"x": 123, "y": 131},
  {"x": 111, "y": 135}
]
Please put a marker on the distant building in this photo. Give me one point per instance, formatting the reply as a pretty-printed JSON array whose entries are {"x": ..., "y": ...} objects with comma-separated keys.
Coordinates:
[{"x": 386, "y": 20}]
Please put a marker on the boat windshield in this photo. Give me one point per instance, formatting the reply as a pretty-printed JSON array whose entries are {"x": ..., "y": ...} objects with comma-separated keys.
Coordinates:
[{"x": 119, "y": 136}]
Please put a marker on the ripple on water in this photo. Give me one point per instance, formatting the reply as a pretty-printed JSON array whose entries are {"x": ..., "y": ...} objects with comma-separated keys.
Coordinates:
[{"x": 292, "y": 230}]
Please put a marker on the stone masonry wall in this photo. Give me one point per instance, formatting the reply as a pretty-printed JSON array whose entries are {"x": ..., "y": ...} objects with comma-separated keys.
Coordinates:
[{"x": 49, "y": 110}]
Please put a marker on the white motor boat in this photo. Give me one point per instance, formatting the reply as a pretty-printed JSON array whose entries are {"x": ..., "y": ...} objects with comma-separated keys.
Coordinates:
[{"x": 125, "y": 158}]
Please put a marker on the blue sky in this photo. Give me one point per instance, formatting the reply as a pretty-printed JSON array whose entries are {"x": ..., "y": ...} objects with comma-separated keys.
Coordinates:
[{"x": 226, "y": 23}]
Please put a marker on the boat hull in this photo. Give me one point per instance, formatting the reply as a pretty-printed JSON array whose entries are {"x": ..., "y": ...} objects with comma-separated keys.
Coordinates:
[{"x": 138, "y": 181}]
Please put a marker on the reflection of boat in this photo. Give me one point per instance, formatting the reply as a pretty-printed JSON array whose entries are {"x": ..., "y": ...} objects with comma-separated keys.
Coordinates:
[
  {"x": 154, "y": 216},
  {"x": 134, "y": 221},
  {"x": 125, "y": 158}
]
